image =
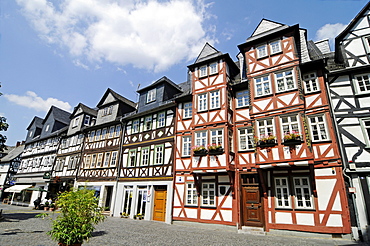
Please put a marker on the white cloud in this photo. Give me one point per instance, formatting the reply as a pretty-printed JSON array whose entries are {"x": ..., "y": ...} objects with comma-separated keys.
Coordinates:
[
  {"x": 329, "y": 31},
  {"x": 78, "y": 63},
  {"x": 149, "y": 34},
  {"x": 31, "y": 100}
]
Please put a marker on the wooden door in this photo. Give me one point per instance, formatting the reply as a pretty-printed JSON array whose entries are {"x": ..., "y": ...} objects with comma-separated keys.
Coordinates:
[
  {"x": 252, "y": 207},
  {"x": 160, "y": 198}
]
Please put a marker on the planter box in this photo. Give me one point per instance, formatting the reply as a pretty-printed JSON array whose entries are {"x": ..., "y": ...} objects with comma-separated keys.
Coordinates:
[
  {"x": 296, "y": 141},
  {"x": 200, "y": 152},
  {"x": 265, "y": 144},
  {"x": 217, "y": 151}
]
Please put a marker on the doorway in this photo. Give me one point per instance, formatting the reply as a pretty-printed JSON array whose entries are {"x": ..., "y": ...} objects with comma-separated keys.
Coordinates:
[
  {"x": 160, "y": 199},
  {"x": 252, "y": 205}
]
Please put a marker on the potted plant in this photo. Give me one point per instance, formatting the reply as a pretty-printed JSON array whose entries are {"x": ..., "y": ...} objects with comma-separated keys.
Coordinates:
[
  {"x": 124, "y": 215},
  {"x": 266, "y": 141},
  {"x": 199, "y": 150},
  {"x": 215, "y": 149},
  {"x": 52, "y": 207},
  {"x": 292, "y": 138},
  {"x": 139, "y": 216},
  {"x": 46, "y": 206},
  {"x": 79, "y": 213}
]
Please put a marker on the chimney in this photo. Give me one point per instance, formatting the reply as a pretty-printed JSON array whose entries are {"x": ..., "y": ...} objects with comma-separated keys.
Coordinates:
[{"x": 18, "y": 144}]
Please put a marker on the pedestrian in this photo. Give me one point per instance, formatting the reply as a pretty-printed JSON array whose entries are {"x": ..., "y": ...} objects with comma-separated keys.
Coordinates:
[{"x": 37, "y": 203}]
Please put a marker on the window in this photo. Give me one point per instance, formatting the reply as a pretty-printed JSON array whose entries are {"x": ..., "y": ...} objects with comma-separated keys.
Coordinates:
[
  {"x": 87, "y": 120},
  {"x": 87, "y": 161},
  {"x": 217, "y": 136},
  {"x": 311, "y": 83},
  {"x": 285, "y": 81},
  {"x": 76, "y": 121},
  {"x": 275, "y": 47},
  {"x": 148, "y": 123},
  {"x": 108, "y": 110},
  {"x": 75, "y": 161},
  {"x": 365, "y": 123},
  {"x": 203, "y": 71},
  {"x": 302, "y": 192},
  {"x": 214, "y": 99},
  {"x": 30, "y": 135},
  {"x": 246, "y": 141},
  {"x": 93, "y": 161},
  {"x": 135, "y": 126},
  {"x": 263, "y": 86},
  {"x": 106, "y": 159},
  {"x": 111, "y": 131},
  {"x": 282, "y": 193},
  {"x": 201, "y": 138},
  {"x": 262, "y": 51},
  {"x": 242, "y": 98},
  {"x": 186, "y": 146},
  {"x": 80, "y": 137},
  {"x": 132, "y": 158},
  {"x": 161, "y": 119},
  {"x": 158, "y": 155},
  {"x": 289, "y": 124},
  {"x": 104, "y": 133},
  {"x": 362, "y": 83},
  {"x": 151, "y": 95},
  {"x": 118, "y": 130},
  {"x": 47, "y": 127},
  {"x": 213, "y": 68},
  {"x": 100, "y": 160},
  {"x": 113, "y": 160},
  {"x": 208, "y": 194},
  {"x": 191, "y": 194},
  {"x": 202, "y": 102},
  {"x": 97, "y": 135},
  {"x": 188, "y": 110},
  {"x": 91, "y": 137},
  {"x": 145, "y": 156},
  {"x": 318, "y": 128},
  {"x": 265, "y": 128}
]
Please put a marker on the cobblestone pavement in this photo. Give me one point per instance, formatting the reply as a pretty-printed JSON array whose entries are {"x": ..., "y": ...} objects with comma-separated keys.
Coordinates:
[{"x": 20, "y": 227}]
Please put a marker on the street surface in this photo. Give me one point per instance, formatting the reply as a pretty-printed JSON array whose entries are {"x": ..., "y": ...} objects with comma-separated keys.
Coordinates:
[{"x": 20, "y": 227}]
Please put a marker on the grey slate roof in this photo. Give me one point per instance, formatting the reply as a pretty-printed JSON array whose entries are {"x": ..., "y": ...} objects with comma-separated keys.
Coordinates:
[
  {"x": 14, "y": 153},
  {"x": 207, "y": 53},
  {"x": 85, "y": 109},
  {"x": 265, "y": 28},
  {"x": 118, "y": 97},
  {"x": 37, "y": 121},
  {"x": 59, "y": 115},
  {"x": 161, "y": 80}
]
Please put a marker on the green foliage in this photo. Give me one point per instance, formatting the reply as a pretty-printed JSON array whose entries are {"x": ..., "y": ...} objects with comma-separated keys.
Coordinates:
[{"x": 79, "y": 213}]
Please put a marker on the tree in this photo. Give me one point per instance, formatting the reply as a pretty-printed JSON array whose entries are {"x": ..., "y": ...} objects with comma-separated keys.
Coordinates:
[{"x": 3, "y": 127}]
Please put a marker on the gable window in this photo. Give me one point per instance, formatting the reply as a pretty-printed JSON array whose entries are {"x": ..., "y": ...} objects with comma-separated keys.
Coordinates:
[
  {"x": 135, "y": 126},
  {"x": 186, "y": 145},
  {"x": 275, "y": 47},
  {"x": 158, "y": 155},
  {"x": 265, "y": 128},
  {"x": 191, "y": 194},
  {"x": 208, "y": 194},
  {"x": 217, "y": 136},
  {"x": 365, "y": 123},
  {"x": 202, "y": 102},
  {"x": 76, "y": 121},
  {"x": 213, "y": 68},
  {"x": 289, "y": 124},
  {"x": 113, "y": 160},
  {"x": 161, "y": 119},
  {"x": 242, "y": 98},
  {"x": 261, "y": 51},
  {"x": 111, "y": 131},
  {"x": 201, "y": 138},
  {"x": 311, "y": 83},
  {"x": 285, "y": 81},
  {"x": 214, "y": 99},
  {"x": 118, "y": 130},
  {"x": 108, "y": 110},
  {"x": 151, "y": 96},
  {"x": 106, "y": 159},
  {"x": 263, "y": 86},
  {"x": 188, "y": 110},
  {"x": 319, "y": 131},
  {"x": 145, "y": 156},
  {"x": 148, "y": 123},
  {"x": 132, "y": 158},
  {"x": 362, "y": 83},
  {"x": 87, "y": 120},
  {"x": 203, "y": 71},
  {"x": 246, "y": 139}
]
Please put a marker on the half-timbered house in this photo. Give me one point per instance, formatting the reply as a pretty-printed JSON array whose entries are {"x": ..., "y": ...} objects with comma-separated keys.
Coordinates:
[
  {"x": 70, "y": 149},
  {"x": 204, "y": 156},
  {"x": 39, "y": 154},
  {"x": 145, "y": 185},
  {"x": 349, "y": 87},
  {"x": 289, "y": 173},
  {"x": 99, "y": 166}
]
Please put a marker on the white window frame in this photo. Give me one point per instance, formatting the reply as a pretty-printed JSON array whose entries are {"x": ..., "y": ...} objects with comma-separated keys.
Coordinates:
[
  {"x": 286, "y": 80},
  {"x": 202, "y": 102},
  {"x": 47, "y": 127},
  {"x": 188, "y": 110},
  {"x": 214, "y": 97},
  {"x": 145, "y": 154},
  {"x": 111, "y": 131},
  {"x": 76, "y": 121},
  {"x": 186, "y": 146},
  {"x": 282, "y": 189},
  {"x": 275, "y": 47},
  {"x": 161, "y": 119},
  {"x": 200, "y": 138},
  {"x": 366, "y": 130},
  {"x": 104, "y": 133},
  {"x": 159, "y": 154},
  {"x": 70, "y": 163},
  {"x": 217, "y": 136},
  {"x": 99, "y": 161},
  {"x": 365, "y": 88},
  {"x": 97, "y": 135},
  {"x": 263, "y": 84},
  {"x": 289, "y": 124},
  {"x": 91, "y": 136},
  {"x": 106, "y": 159},
  {"x": 87, "y": 161},
  {"x": 113, "y": 159},
  {"x": 87, "y": 120},
  {"x": 262, "y": 51},
  {"x": 151, "y": 95},
  {"x": 318, "y": 126},
  {"x": 93, "y": 161},
  {"x": 246, "y": 139},
  {"x": 213, "y": 68},
  {"x": 304, "y": 189},
  {"x": 203, "y": 71},
  {"x": 311, "y": 82},
  {"x": 265, "y": 127},
  {"x": 242, "y": 98},
  {"x": 131, "y": 158},
  {"x": 135, "y": 126},
  {"x": 117, "y": 131},
  {"x": 148, "y": 123},
  {"x": 191, "y": 194},
  {"x": 208, "y": 196}
]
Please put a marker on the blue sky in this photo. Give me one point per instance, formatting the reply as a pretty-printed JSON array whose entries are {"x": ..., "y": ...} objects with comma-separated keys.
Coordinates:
[{"x": 63, "y": 52}]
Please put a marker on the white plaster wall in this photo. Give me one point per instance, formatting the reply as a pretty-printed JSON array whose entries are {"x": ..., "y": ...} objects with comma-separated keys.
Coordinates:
[
  {"x": 324, "y": 190},
  {"x": 206, "y": 214},
  {"x": 305, "y": 219},
  {"x": 283, "y": 218}
]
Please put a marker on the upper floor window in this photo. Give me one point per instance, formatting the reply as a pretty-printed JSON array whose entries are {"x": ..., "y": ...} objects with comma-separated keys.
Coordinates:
[
  {"x": 97, "y": 135},
  {"x": 93, "y": 161},
  {"x": 91, "y": 137},
  {"x": 151, "y": 96},
  {"x": 318, "y": 128},
  {"x": 145, "y": 156},
  {"x": 203, "y": 71},
  {"x": 214, "y": 99},
  {"x": 76, "y": 121},
  {"x": 362, "y": 83},
  {"x": 113, "y": 160},
  {"x": 100, "y": 160},
  {"x": 159, "y": 152},
  {"x": 148, "y": 123},
  {"x": 132, "y": 158},
  {"x": 201, "y": 138},
  {"x": 161, "y": 119},
  {"x": 289, "y": 124},
  {"x": 111, "y": 131},
  {"x": 311, "y": 83},
  {"x": 242, "y": 98},
  {"x": 265, "y": 128},
  {"x": 118, "y": 130},
  {"x": 87, "y": 120},
  {"x": 246, "y": 139},
  {"x": 202, "y": 102},
  {"x": 108, "y": 110},
  {"x": 186, "y": 145},
  {"x": 275, "y": 47},
  {"x": 213, "y": 68},
  {"x": 188, "y": 110},
  {"x": 365, "y": 123},
  {"x": 47, "y": 127},
  {"x": 106, "y": 159},
  {"x": 104, "y": 133},
  {"x": 217, "y": 137},
  {"x": 135, "y": 126},
  {"x": 262, "y": 51},
  {"x": 285, "y": 81},
  {"x": 263, "y": 86}
]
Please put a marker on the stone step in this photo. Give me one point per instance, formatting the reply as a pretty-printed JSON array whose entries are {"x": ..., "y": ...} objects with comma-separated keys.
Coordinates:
[{"x": 252, "y": 230}]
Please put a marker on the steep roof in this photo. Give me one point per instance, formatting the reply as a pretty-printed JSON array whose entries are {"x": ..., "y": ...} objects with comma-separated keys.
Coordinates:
[
  {"x": 267, "y": 26},
  {"x": 37, "y": 121},
  {"x": 59, "y": 115},
  {"x": 117, "y": 97},
  {"x": 85, "y": 109},
  {"x": 164, "y": 79},
  {"x": 14, "y": 153},
  {"x": 207, "y": 52}
]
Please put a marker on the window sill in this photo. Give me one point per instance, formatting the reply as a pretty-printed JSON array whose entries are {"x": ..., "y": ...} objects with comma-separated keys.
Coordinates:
[
  {"x": 191, "y": 206},
  {"x": 242, "y": 107},
  {"x": 205, "y": 206},
  {"x": 262, "y": 96},
  {"x": 311, "y": 92},
  {"x": 288, "y": 90},
  {"x": 246, "y": 151}
]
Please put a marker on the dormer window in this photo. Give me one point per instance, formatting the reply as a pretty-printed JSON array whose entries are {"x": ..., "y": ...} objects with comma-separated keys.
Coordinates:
[
  {"x": 87, "y": 120},
  {"x": 151, "y": 96},
  {"x": 108, "y": 110},
  {"x": 262, "y": 51},
  {"x": 75, "y": 122},
  {"x": 47, "y": 128},
  {"x": 30, "y": 134}
]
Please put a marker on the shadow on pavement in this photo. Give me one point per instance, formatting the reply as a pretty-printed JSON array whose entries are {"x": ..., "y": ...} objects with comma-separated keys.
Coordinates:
[
  {"x": 98, "y": 233},
  {"x": 14, "y": 217}
]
